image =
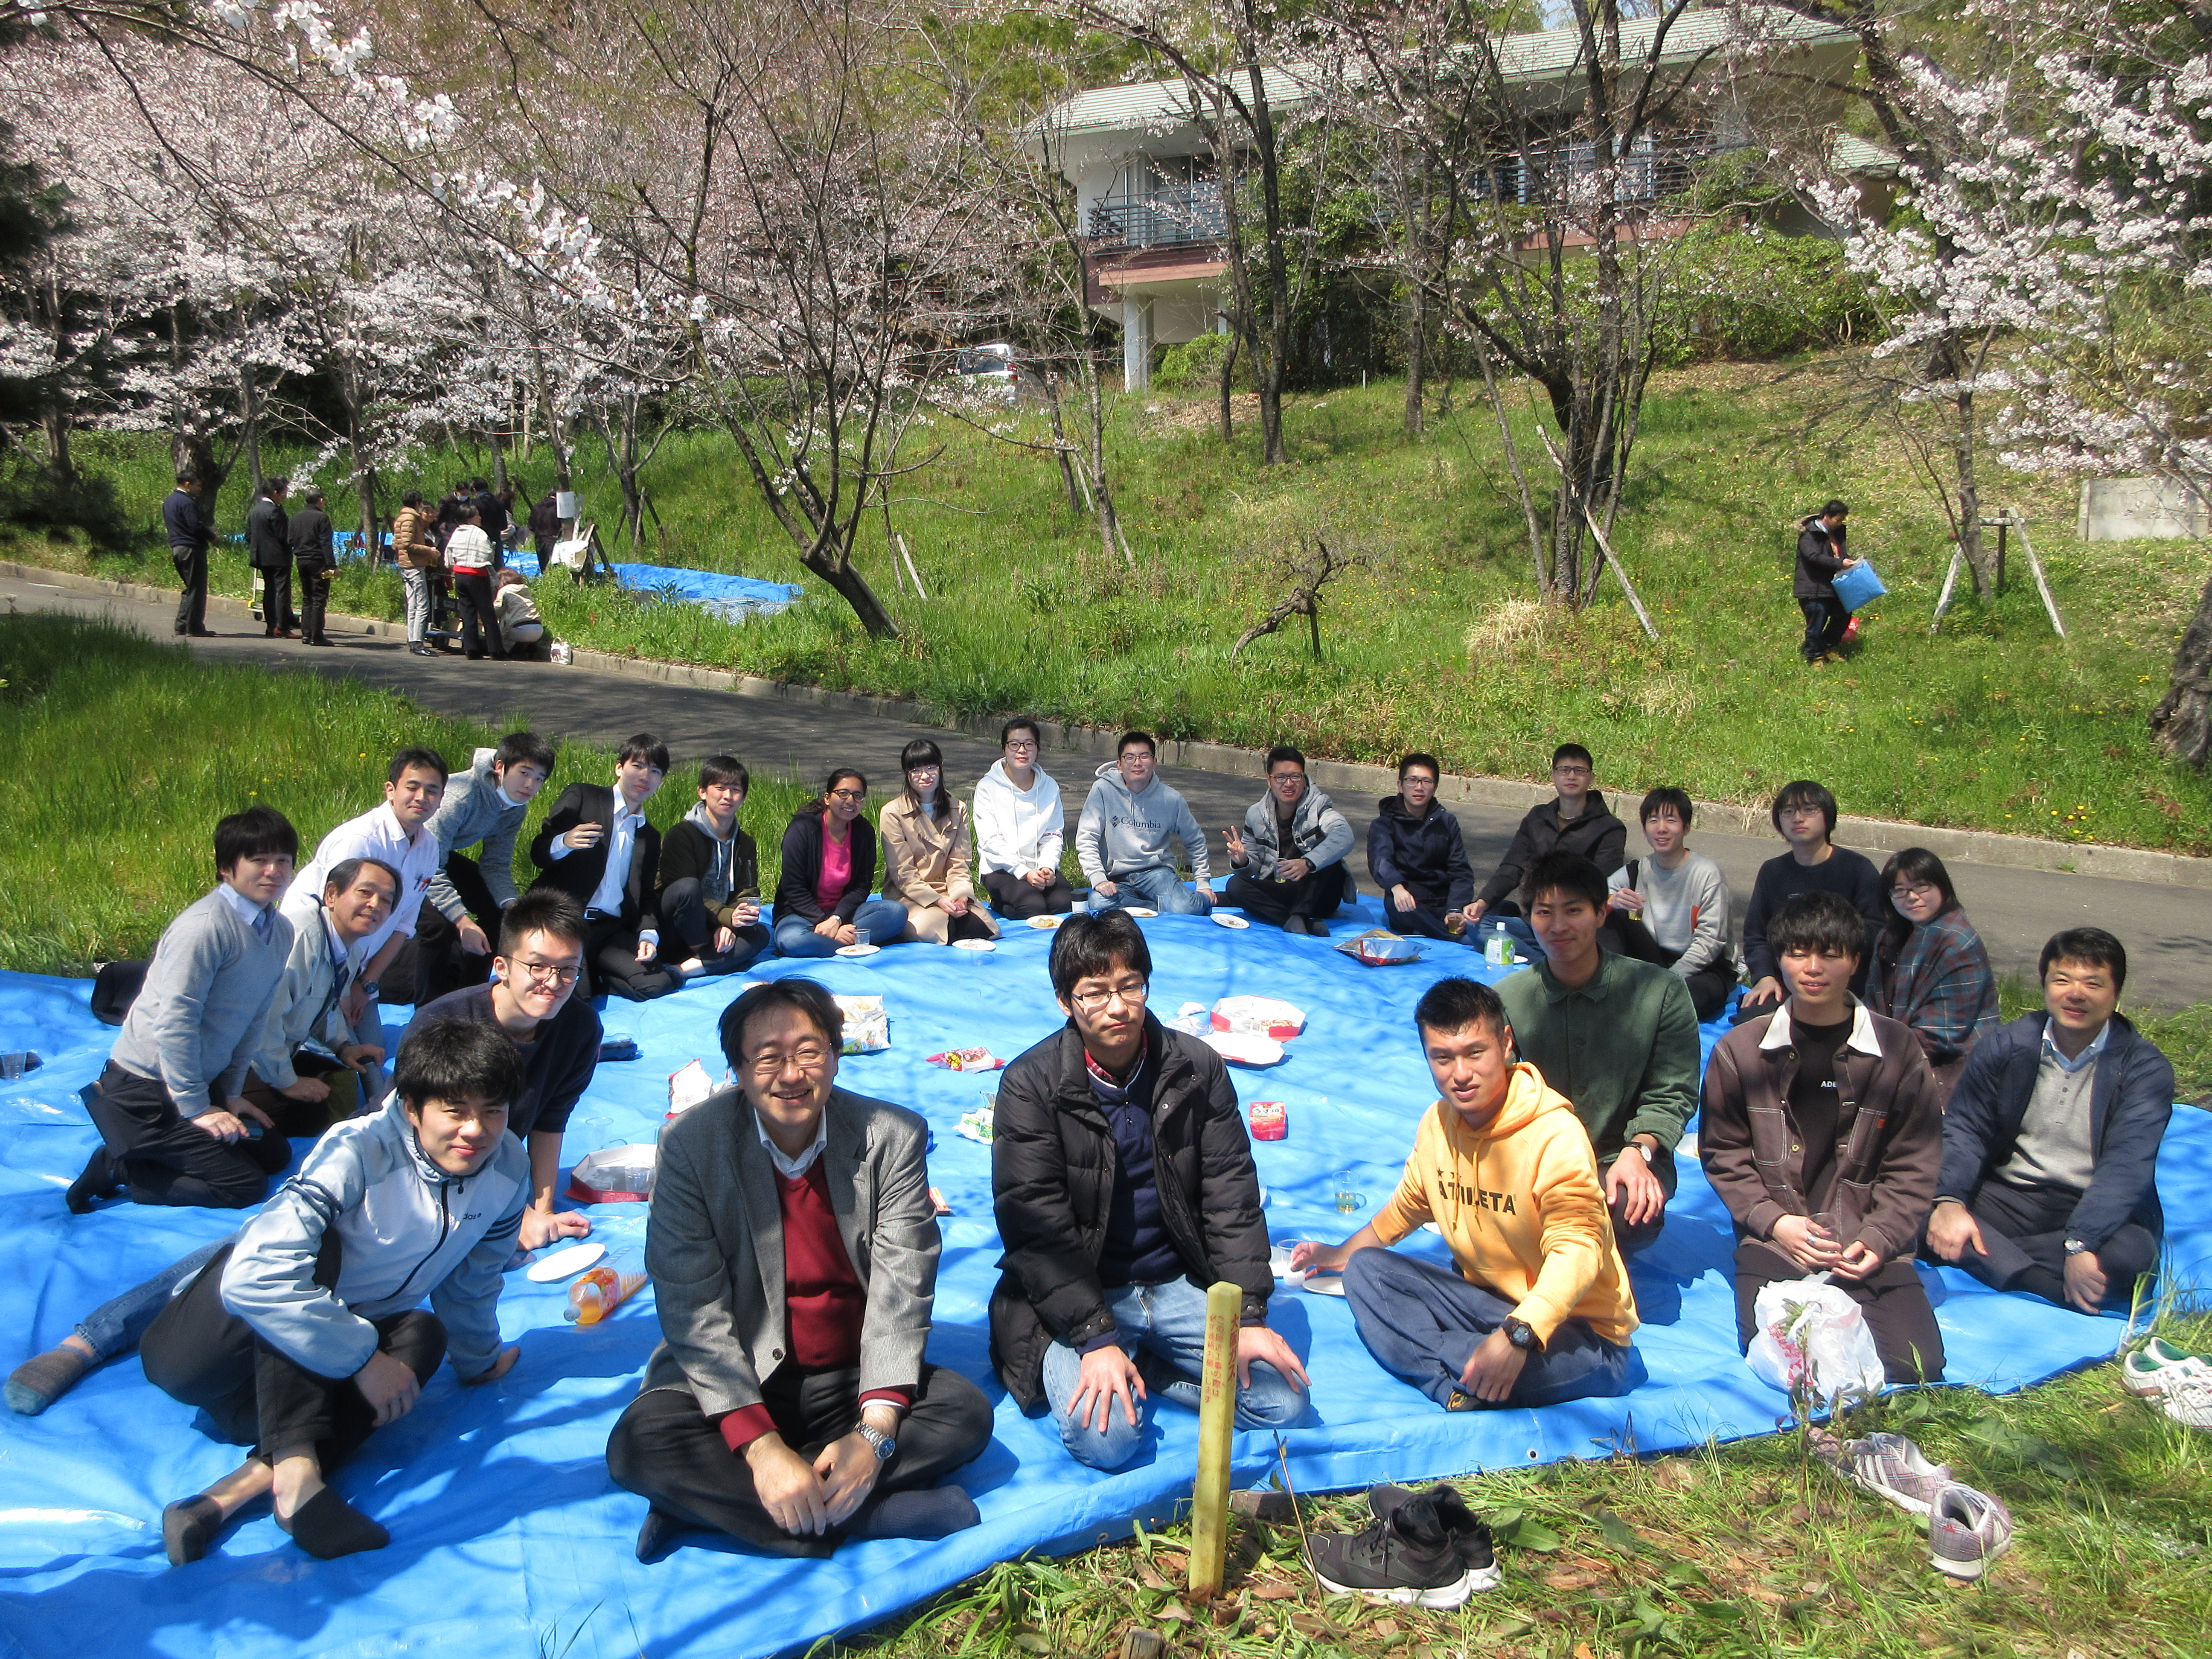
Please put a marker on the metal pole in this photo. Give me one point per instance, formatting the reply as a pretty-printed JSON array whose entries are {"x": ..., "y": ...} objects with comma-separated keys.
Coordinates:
[{"x": 1217, "y": 1422}]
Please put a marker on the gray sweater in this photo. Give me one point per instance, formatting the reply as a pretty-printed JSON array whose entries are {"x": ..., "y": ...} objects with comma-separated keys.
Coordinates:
[
  {"x": 196, "y": 1024},
  {"x": 1120, "y": 832},
  {"x": 474, "y": 811}
]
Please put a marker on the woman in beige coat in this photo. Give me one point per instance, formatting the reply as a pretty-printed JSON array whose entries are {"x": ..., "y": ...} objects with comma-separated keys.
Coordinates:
[{"x": 925, "y": 836}]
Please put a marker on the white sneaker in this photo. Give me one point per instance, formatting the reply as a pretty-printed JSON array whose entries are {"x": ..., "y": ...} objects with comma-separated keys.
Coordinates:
[
  {"x": 1966, "y": 1531},
  {"x": 1888, "y": 1465},
  {"x": 2151, "y": 1371},
  {"x": 2189, "y": 1402}
]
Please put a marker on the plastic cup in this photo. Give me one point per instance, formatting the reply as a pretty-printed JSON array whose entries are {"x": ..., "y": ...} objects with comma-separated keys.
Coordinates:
[
  {"x": 1348, "y": 1202},
  {"x": 861, "y": 937}
]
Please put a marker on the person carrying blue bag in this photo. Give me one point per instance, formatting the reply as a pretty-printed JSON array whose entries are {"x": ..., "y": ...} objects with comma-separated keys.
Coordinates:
[{"x": 1820, "y": 560}]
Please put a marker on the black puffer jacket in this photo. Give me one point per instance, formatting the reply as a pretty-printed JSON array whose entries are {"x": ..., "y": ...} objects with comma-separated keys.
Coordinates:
[
  {"x": 1051, "y": 1167},
  {"x": 1427, "y": 855}
]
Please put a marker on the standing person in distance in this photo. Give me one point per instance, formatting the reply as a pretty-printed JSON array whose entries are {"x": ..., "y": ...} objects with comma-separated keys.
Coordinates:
[
  {"x": 596, "y": 847},
  {"x": 1290, "y": 870},
  {"x": 310, "y": 534},
  {"x": 710, "y": 897},
  {"x": 189, "y": 531},
  {"x": 925, "y": 860},
  {"x": 1415, "y": 850},
  {"x": 271, "y": 553},
  {"x": 1931, "y": 971},
  {"x": 1804, "y": 813},
  {"x": 1820, "y": 560},
  {"x": 1122, "y": 838},
  {"x": 545, "y": 526},
  {"x": 417, "y": 556},
  {"x": 822, "y": 895},
  {"x": 1672, "y": 909},
  {"x": 468, "y": 556},
  {"x": 1019, "y": 829},
  {"x": 492, "y": 517}
]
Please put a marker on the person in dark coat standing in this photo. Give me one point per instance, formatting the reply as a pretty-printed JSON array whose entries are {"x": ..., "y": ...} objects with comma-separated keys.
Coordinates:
[
  {"x": 545, "y": 526},
  {"x": 1125, "y": 1187},
  {"x": 492, "y": 518},
  {"x": 1820, "y": 560},
  {"x": 309, "y": 535},
  {"x": 190, "y": 532},
  {"x": 271, "y": 553}
]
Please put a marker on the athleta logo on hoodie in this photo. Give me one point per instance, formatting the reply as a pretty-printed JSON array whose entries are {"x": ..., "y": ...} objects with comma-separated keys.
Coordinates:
[{"x": 1476, "y": 1197}]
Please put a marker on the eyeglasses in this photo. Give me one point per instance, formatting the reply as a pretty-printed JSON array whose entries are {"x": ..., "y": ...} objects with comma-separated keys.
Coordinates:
[
  {"x": 549, "y": 973},
  {"x": 768, "y": 1063},
  {"x": 1092, "y": 1002},
  {"x": 1917, "y": 893},
  {"x": 923, "y": 771},
  {"x": 1571, "y": 771},
  {"x": 1021, "y": 747},
  {"x": 848, "y": 794}
]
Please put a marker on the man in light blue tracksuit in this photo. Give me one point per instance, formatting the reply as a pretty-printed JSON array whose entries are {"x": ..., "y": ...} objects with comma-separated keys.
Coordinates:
[
  {"x": 307, "y": 1334},
  {"x": 1121, "y": 840}
]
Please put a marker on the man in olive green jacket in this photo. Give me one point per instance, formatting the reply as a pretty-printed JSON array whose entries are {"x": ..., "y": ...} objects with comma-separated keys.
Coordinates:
[{"x": 1616, "y": 1036}]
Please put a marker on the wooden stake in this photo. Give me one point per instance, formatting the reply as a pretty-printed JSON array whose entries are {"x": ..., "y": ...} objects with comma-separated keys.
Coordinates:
[
  {"x": 1950, "y": 582},
  {"x": 1613, "y": 564},
  {"x": 1217, "y": 1422},
  {"x": 919, "y": 589},
  {"x": 2035, "y": 564}
]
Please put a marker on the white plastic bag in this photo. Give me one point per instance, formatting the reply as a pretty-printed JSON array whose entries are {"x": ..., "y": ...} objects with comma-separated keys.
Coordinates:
[
  {"x": 1812, "y": 1335},
  {"x": 867, "y": 1025}
]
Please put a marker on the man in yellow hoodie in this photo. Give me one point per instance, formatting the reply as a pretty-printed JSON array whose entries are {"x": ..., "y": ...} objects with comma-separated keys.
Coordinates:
[{"x": 1540, "y": 1311}]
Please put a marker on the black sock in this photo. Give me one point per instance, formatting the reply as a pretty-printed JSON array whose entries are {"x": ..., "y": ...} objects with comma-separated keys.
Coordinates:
[
  {"x": 327, "y": 1527},
  {"x": 188, "y": 1527},
  {"x": 99, "y": 1178},
  {"x": 932, "y": 1512}
]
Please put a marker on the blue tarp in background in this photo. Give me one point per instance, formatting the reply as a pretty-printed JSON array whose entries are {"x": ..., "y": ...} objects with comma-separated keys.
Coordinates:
[
  {"x": 730, "y": 598},
  {"x": 507, "y": 1535}
]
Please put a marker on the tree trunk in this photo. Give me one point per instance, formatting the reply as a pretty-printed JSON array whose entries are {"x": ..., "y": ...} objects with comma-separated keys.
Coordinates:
[
  {"x": 831, "y": 558},
  {"x": 1059, "y": 441},
  {"x": 1417, "y": 331},
  {"x": 1271, "y": 450},
  {"x": 56, "y": 420},
  {"x": 498, "y": 459},
  {"x": 1228, "y": 383},
  {"x": 2182, "y": 722},
  {"x": 249, "y": 404},
  {"x": 1978, "y": 559}
]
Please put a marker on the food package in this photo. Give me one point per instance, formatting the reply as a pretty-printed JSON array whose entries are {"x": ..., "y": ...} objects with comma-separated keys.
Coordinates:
[
  {"x": 1378, "y": 947},
  {"x": 867, "y": 1026},
  {"x": 1268, "y": 1016},
  {"x": 687, "y": 1088},
  {"x": 1192, "y": 1019},
  {"x": 976, "y": 1125},
  {"x": 966, "y": 1060},
  {"x": 615, "y": 1174},
  {"x": 1270, "y": 1119},
  {"x": 1243, "y": 1047}
]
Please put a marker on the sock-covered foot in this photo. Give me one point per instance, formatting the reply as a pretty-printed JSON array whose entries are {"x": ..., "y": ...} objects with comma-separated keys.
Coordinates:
[
  {"x": 189, "y": 1526},
  {"x": 327, "y": 1527},
  {"x": 933, "y": 1512},
  {"x": 657, "y": 1536},
  {"x": 98, "y": 1179},
  {"x": 44, "y": 1378}
]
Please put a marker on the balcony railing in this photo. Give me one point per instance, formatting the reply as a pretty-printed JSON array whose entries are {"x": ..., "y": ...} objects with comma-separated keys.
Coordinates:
[
  {"x": 1171, "y": 216},
  {"x": 1547, "y": 174}
]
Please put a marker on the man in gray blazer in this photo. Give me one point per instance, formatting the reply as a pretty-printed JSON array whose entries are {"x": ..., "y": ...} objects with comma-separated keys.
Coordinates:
[{"x": 793, "y": 1250}]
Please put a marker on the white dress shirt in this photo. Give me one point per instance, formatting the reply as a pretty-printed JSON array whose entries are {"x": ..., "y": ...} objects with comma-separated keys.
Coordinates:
[{"x": 374, "y": 835}]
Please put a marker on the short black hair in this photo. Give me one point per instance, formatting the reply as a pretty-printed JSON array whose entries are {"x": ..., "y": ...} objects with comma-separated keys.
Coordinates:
[
  {"x": 412, "y": 498},
  {"x": 1407, "y": 763},
  {"x": 1281, "y": 752},
  {"x": 1021, "y": 723},
  {"x": 523, "y": 748},
  {"x": 347, "y": 870},
  {"x": 1803, "y": 791},
  {"x": 429, "y": 759},
  {"x": 2092, "y": 946},
  {"x": 458, "y": 1059},
  {"x": 478, "y": 485},
  {"x": 1664, "y": 796},
  {"x": 804, "y": 995},
  {"x": 724, "y": 768},
  {"x": 645, "y": 747},
  {"x": 540, "y": 910},
  {"x": 313, "y": 498},
  {"x": 1086, "y": 946},
  {"x": 1834, "y": 509},
  {"x": 258, "y": 832},
  {"x": 1823, "y": 924},
  {"x": 1562, "y": 871},
  {"x": 278, "y": 485},
  {"x": 1567, "y": 751},
  {"x": 1455, "y": 1004},
  {"x": 1128, "y": 738}
]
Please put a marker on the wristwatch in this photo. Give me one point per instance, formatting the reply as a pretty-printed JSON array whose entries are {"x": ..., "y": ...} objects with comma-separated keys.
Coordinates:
[
  {"x": 1523, "y": 1335},
  {"x": 368, "y": 988},
  {"x": 2077, "y": 1246},
  {"x": 886, "y": 1448},
  {"x": 1644, "y": 1147}
]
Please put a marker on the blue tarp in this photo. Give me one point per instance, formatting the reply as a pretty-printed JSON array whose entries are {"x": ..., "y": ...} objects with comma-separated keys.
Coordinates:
[
  {"x": 730, "y": 598},
  {"x": 507, "y": 1535}
]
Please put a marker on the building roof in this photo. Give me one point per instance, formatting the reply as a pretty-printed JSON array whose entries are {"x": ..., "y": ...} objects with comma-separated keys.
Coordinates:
[
  {"x": 1140, "y": 106},
  {"x": 1850, "y": 154}
]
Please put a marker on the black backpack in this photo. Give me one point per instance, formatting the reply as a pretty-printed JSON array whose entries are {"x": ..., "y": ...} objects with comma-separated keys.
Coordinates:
[{"x": 115, "y": 987}]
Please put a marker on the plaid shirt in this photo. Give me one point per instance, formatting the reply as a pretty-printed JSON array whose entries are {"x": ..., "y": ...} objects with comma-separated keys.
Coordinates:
[{"x": 1940, "y": 984}]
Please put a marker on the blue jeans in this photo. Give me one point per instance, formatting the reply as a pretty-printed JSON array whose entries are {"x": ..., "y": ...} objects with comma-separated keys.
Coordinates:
[
  {"x": 1157, "y": 886},
  {"x": 115, "y": 1326},
  {"x": 1424, "y": 1324},
  {"x": 1159, "y": 1323},
  {"x": 880, "y": 919}
]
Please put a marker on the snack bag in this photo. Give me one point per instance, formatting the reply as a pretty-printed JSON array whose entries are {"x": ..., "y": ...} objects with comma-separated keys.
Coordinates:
[
  {"x": 867, "y": 1026},
  {"x": 1271, "y": 1119}
]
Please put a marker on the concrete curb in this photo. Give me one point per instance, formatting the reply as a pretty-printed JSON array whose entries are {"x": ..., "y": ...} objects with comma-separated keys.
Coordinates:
[{"x": 1868, "y": 835}]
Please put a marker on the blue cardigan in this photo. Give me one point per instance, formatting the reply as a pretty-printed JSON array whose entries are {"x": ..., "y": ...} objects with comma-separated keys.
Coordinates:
[{"x": 2129, "y": 1105}]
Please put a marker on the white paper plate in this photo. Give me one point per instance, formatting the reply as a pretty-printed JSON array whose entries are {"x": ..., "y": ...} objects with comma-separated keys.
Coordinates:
[
  {"x": 1224, "y": 919},
  {"x": 1324, "y": 1285},
  {"x": 858, "y": 949},
  {"x": 1046, "y": 924},
  {"x": 1138, "y": 911},
  {"x": 562, "y": 1263},
  {"x": 975, "y": 945}
]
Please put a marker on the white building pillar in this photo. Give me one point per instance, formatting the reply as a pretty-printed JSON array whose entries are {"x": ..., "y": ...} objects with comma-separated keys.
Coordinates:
[{"x": 1136, "y": 344}]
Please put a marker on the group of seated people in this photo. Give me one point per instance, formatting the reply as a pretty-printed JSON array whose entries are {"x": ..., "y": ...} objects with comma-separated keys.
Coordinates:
[{"x": 792, "y": 1236}]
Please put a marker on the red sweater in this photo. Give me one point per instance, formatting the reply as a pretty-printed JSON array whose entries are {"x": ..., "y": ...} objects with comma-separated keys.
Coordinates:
[{"x": 823, "y": 1304}]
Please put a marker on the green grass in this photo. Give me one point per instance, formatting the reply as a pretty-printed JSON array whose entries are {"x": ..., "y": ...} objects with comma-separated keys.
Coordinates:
[
  {"x": 1742, "y": 1550},
  {"x": 1993, "y": 724}
]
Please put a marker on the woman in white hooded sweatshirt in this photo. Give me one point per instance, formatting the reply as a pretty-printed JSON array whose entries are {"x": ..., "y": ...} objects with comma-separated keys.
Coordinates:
[{"x": 1019, "y": 827}]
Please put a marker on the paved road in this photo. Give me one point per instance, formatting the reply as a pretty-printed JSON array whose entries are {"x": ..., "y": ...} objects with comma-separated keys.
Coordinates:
[{"x": 2167, "y": 930}]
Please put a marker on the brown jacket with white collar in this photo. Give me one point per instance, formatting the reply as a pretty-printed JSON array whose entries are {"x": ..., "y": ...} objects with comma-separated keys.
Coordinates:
[{"x": 1889, "y": 1131}]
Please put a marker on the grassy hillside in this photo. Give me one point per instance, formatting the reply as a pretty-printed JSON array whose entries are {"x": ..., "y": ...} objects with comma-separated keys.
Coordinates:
[{"x": 1992, "y": 724}]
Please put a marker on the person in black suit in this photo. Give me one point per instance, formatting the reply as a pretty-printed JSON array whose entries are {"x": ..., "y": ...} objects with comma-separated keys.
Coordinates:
[
  {"x": 596, "y": 847},
  {"x": 493, "y": 516},
  {"x": 310, "y": 534},
  {"x": 271, "y": 554},
  {"x": 189, "y": 531}
]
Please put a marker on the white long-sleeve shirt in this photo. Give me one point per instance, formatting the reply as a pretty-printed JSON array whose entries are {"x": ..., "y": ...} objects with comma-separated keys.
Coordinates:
[
  {"x": 1017, "y": 830},
  {"x": 1686, "y": 908},
  {"x": 374, "y": 835}
]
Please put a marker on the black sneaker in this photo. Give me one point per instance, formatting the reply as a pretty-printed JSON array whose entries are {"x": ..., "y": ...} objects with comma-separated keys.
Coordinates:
[
  {"x": 1468, "y": 1532},
  {"x": 1408, "y": 1557}
]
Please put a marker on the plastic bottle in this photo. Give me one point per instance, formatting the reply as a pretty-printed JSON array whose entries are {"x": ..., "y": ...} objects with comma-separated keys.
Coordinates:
[
  {"x": 1497, "y": 946},
  {"x": 599, "y": 1292}
]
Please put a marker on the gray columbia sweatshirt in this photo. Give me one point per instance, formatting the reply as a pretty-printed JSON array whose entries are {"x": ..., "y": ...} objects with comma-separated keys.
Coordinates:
[{"x": 1120, "y": 832}]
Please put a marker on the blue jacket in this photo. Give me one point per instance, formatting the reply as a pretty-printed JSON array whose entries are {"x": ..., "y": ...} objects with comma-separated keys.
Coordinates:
[
  {"x": 2129, "y": 1105},
  {"x": 187, "y": 526},
  {"x": 1426, "y": 853}
]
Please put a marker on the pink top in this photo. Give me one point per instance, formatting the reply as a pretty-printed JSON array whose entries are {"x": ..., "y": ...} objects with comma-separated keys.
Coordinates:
[{"x": 837, "y": 866}]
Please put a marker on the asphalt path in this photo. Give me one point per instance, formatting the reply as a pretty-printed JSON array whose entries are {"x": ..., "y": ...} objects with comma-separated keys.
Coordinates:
[{"x": 2167, "y": 929}]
